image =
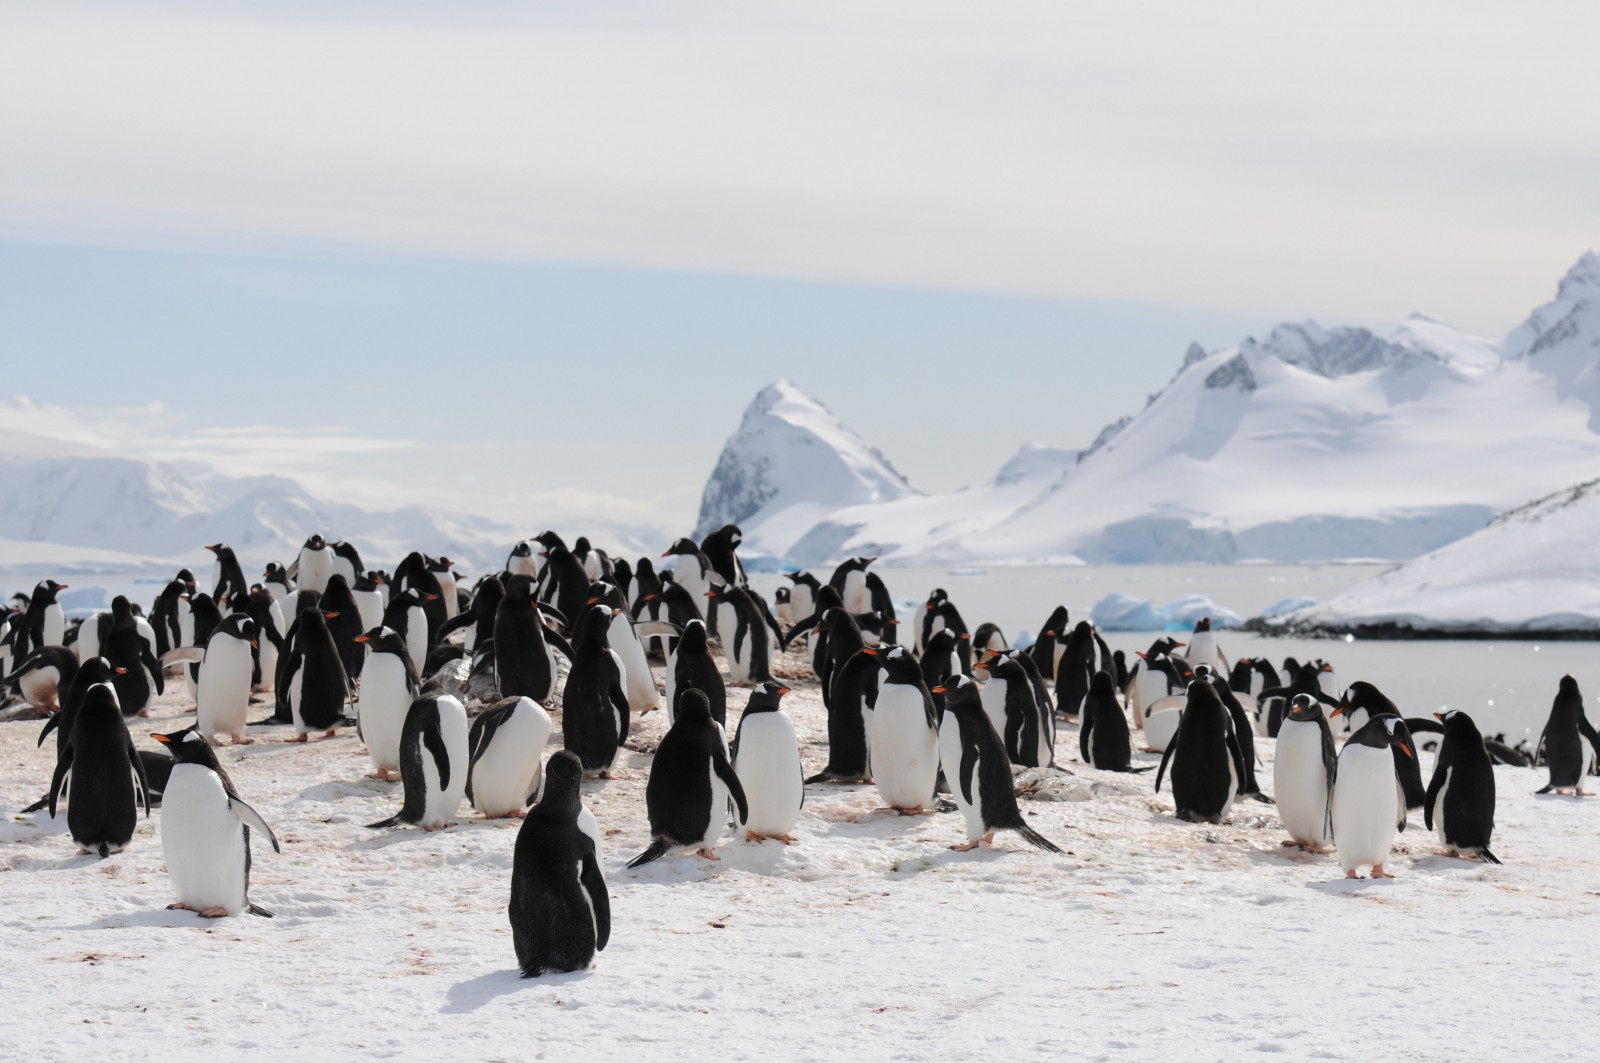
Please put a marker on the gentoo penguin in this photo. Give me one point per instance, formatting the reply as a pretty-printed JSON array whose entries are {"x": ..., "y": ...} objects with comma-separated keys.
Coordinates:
[
  {"x": 407, "y": 615},
  {"x": 1120, "y": 673},
  {"x": 988, "y": 639},
  {"x": 719, "y": 548},
  {"x": 131, "y": 653},
  {"x": 441, "y": 567},
  {"x": 1243, "y": 731},
  {"x": 275, "y": 578},
  {"x": 691, "y": 668},
  {"x": 1073, "y": 670},
  {"x": 44, "y": 676},
  {"x": 596, "y": 564},
  {"x": 766, "y": 757},
  {"x": 1569, "y": 742},
  {"x": 690, "y": 783},
  {"x": 743, "y": 633},
  {"x": 1046, "y": 649},
  {"x": 880, "y": 606},
  {"x": 1365, "y": 701},
  {"x": 941, "y": 658},
  {"x": 850, "y": 705},
  {"x": 343, "y": 618},
  {"x": 661, "y": 600},
  {"x": 563, "y": 582},
  {"x": 692, "y": 571},
  {"x": 594, "y": 707},
  {"x": 1206, "y": 763},
  {"x": 347, "y": 562},
  {"x": 415, "y": 573},
  {"x": 230, "y": 580},
  {"x": 1307, "y": 680},
  {"x": 638, "y": 682},
  {"x": 477, "y": 620},
  {"x": 314, "y": 565},
  {"x": 388, "y": 686},
  {"x": 1303, "y": 772},
  {"x": 560, "y": 911},
  {"x": 1368, "y": 806},
  {"x": 93, "y": 671},
  {"x": 1103, "y": 740},
  {"x": 523, "y": 560},
  {"x": 205, "y": 832},
  {"x": 104, "y": 767},
  {"x": 1203, "y": 647},
  {"x": 524, "y": 650},
  {"x": 164, "y": 616},
  {"x": 905, "y": 735},
  {"x": 44, "y": 623},
  {"x": 802, "y": 594},
  {"x": 781, "y": 599},
  {"x": 624, "y": 574},
  {"x": 507, "y": 748},
  {"x": 316, "y": 687},
  {"x": 1014, "y": 710},
  {"x": 850, "y": 580},
  {"x": 1460, "y": 800},
  {"x": 222, "y": 694},
  {"x": 263, "y": 608},
  {"x": 979, "y": 771},
  {"x": 433, "y": 763},
  {"x": 367, "y": 590}
]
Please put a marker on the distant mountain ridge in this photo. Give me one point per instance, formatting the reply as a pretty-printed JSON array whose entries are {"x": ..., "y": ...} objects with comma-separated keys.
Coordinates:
[{"x": 1313, "y": 443}]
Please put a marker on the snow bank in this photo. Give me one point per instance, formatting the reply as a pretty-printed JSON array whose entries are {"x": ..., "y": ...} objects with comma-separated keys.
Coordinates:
[{"x": 1122, "y": 612}]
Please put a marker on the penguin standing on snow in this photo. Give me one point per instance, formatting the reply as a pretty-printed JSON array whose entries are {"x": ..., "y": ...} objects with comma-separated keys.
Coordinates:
[
  {"x": 347, "y": 562},
  {"x": 1303, "y": 773},
  {"x": 743, "y": 631},
  {"x": 638, "y": 682},
  {"x": 230, "y": 582},
  {"x": 314, "y": 565},
  {"x": 1046, "y": 649},
  {"x": 132, "y": 655},
  {"x": 433, "y": 763},
  {"x": 802, "y": 595},
  {"x": 766, "y": 757},
  {"x": 1460, "y": 801},
  {"x": 1103, "y": 740},
  {"x": 905, "y": 735},
  {"x": 855, "y": 692},
  {"x": 1569, "y": 742},
  {"x": 524, "y": 649},
  {"x": 691, "y": 780},
  {"x": 1009, "y": 699},
  {"x": 1363, "y": 702},
  {"x": 1243, "y": 731},
  {"x": 1206, "y": 763},
  {"x": 850, "y": 580},
  {"x": 693, "y": 572},
  {"x": 594, "y": 706},
  {"x": 1368, "y": 806},
  {"x": 222, "y": 694},
  {"x": 978, "y": 770},
  {"x": 105, "y": 770},
  {"x": 507, "y": 747},
  {"x": 691, "y": 667},
  {"x": 387, "y": 691},
  {"x": 560, "y": 911},
  {"x": 315, "y": 687},
  {"x": 205, "y": 832},
  {"x": 44, "y": 623},
  {"x": 719, "y": 548},
  {"x": 343, "y": 616},
  {"x": 1076, "y": 666}
]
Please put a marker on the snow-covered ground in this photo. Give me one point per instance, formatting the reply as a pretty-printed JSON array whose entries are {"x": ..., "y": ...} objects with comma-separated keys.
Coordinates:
[{"x": 867, "y": 939}]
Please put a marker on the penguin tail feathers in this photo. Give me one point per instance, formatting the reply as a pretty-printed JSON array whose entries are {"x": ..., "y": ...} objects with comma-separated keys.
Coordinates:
[
  {"x": 256, "y": 909},
  {"x": 37, "y": 805},
  {"x": 1483, "y": 851},
  {"x": 105, "y": 850},
  {"x": 1138, "y": 771},
  {"x": 1547, "y": 789},
  {"x": 382, "y": 823},
  {"x": 1037, "y": 840},
  {"x": 657, "y": 850},
  {"x": 826, "y": 775}
]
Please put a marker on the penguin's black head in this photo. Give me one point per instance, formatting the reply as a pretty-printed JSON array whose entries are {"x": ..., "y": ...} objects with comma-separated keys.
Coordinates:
[
  {"x": 550, "y": 540},
  {"x": 959, "y": 692},
  {"x": 938, "y": 597},
  {"x": 522, "y": 549},
  {"x": 121, "y": 608},
  {"x": 1291, "y": 665},
  {"x": 765, "y": 697},
  {"x": 644, "y": 567},
  {"x": 100, "y": 698},
  {"x": 900, "y": 665},
  {"x": 316, "y": 542},
  {"x": 1203, "y": 624},
  {"x": 315, "y": 619},
  {"x": 1569, "y": 687},
  {"x": 439, "y": 564},
  {"x": 793, "y": 577},
  {"x": 46, "y": 590},
  {"x": 562, "y": 774},
  {"x": 96, "y": 670},
  {"x": 681, "y": 546},
  {"x": 240, "y": 626},
  {"x": 734, "y": 535},
  {"x": 782, "y": 594},
  {"x": 1100, "y": 683},
  {"x": 1203, "y": 698},
  {"x": 582, "y": 546},
  {"x": 694, "y": 636},
  {"x": 692, "y": 705},
  {"x": 188, "y": 746},
  {"x": 1304, "y": 707}
]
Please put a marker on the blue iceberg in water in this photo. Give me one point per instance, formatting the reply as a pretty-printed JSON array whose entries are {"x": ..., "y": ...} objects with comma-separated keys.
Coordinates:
[{"x": 1122, "y": 612}]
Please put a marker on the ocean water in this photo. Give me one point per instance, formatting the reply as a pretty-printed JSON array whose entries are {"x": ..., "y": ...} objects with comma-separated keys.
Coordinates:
[{"x": 1506, "y": 686}]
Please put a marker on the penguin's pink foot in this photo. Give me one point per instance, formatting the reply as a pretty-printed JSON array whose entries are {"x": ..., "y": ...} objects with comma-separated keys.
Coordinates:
[
  {"x": 1351, "y": 873},
  {"x": 383, "y": 774},
  {"x": 212, "y": 913},
  {"x": 967, "y": 848},
  {"x": 145, "y": 713},
  {"x": 1581, "y": 792},
  {"x": 241, "y": 740},
  {"x": 214, "y": 740},
  {"x": 751, "y": 836},
  {"x": 1315, "y": 847},
  {"x": 787, "y": 839},
  {"x": 1379, "y": 872},
  {"x": 520, "y": 813},
  {"x": 1290, "y": 842},
  {"x": 297, "y": 738},
  {"x": 988, "y": 839},
  {"x": 708, "y": 854},
  {"x": 179, "y": 906},
  {"x": 438, "y": 826},
  {"x": 917, "y": 811},
  {"x": 330, "y": 732}
]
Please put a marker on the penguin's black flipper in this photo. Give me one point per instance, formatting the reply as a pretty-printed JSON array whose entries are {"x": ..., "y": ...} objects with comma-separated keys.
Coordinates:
[
  {"x": 137, "y": 763},
  {"x": 599, "y": 900},
  {"x": 1166, "y": 755},
  {"x": 559, "y": 644},
  {"x": 725, "y": 772},
  {"x": 433, "y": 741},
  {"x": 1501, "y": 753},
  {"x": 63, "y": 765},
  {"x": 657, "y": 850},
  {"x": 1408, "y": 770},
  {"x": 1037, "y": 840},
  {"x": 49, "y": 725},
  {"x": 456, "y": 623},
  {"x": 1421, "y": 724},
  {"x": 563, "y": 624},
  {"x": 251, "y": 818},
  {"x": 1131, "y": 770}
]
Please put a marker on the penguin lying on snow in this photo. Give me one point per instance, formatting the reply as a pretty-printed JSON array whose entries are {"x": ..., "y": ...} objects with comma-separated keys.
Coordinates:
[
  {"x": 205, "y": 832},
  {"x": 507, "y": 744}
]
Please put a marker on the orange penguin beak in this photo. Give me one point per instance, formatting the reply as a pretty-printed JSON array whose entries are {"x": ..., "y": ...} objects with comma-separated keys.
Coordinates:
[
  {"x": 869, "y": 651},
  {"x": 1438, "y": 716},
  {"x": 163, "y": 739},
  {"x": 120, "y": 671},
  {"x": 937, "y": 690},
  {"x": 1406, "y": 750},
  {"x": 253, "y": 644},
  {"x": 591, "y": 601},
  {"x": 363, "y": 638},
  {"x": 331, "y": 616},
  {"x": 783, "y": 690},
  {"x": 1338, "y": 710}
]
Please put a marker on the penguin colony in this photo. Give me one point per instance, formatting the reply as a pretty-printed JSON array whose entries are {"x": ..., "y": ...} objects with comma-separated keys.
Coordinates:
[{"x": 455, "y": 688}]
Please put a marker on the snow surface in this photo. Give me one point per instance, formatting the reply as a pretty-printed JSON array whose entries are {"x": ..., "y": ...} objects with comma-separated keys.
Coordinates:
[
  {"x": 1313, "y": 443},
  {"x": 867, "y": 939},
  {"x": 1533, "y": 568}
]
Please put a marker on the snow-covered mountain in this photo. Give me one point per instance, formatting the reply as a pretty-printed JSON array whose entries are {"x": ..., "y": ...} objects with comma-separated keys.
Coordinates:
[
  {"x": 1312, "y": 443},
  {"x": 1534, "y": 568},
  {"x": 788, "y": 466}
]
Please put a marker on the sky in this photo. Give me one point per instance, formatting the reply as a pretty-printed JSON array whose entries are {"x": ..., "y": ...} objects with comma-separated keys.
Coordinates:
[{"x": 538, "y": 257}]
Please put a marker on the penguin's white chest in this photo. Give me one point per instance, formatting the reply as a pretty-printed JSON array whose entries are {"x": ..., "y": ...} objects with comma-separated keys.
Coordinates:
[
  {"x": 854, "y": 593},
  {"x": 370, "y": 605},
  {"x": 55, "y": 624},
  {"x": 1300, "y": 782},
  {"x": 768, "y": 767},
  {"x": 416, "y": 637},
  {"x": 203, "y": 841},
  {"x": 223, "y": 692},
  {"x": 1366, "y": 806},
  {"x": 905, "y": 750},
  {"x": 381, "y": 707},
  {"x": 636, "y": 678},
  {"x": 993, "y": 698},
  {"x": 951, "y": 751},
  {"x": 443, "y": 801},
  {"x": 315, "y": 568},
  {"x": 508, "y": 771}
]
